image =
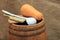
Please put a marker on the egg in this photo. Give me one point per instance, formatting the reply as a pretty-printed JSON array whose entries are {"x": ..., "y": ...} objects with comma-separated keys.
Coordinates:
[{"x": 29, "y": 11}]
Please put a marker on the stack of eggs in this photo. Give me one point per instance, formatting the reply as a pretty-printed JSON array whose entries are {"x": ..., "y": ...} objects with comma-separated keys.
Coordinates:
[{"x": 31, "y": 13}]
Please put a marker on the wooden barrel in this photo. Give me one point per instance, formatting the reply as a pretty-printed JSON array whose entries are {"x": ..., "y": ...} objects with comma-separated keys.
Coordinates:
[{"x": 27, "y": 32}]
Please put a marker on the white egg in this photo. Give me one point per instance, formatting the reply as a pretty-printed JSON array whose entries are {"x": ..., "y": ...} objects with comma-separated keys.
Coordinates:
[{"x": 31, "y": 21}]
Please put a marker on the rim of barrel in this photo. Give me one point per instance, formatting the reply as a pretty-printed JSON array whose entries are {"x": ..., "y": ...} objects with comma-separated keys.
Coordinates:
[{"x": 27, "y": 27}]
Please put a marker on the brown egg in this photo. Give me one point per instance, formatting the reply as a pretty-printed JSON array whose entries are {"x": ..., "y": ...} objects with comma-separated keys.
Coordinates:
[{"x": 29, "y": 11}]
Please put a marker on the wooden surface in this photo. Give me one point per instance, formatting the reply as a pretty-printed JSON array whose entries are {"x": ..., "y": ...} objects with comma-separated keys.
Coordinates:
[{"x": 50, "y": 9}]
